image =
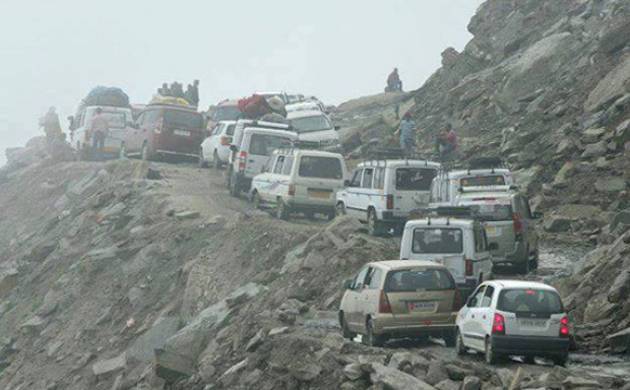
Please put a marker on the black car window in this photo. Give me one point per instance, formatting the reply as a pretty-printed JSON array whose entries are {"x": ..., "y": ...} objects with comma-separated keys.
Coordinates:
[
  {"x": 360, "y": 279},
  {"x": 437, "y": 241},
  {"x": 356, "y": 178},
  {"x": 320, "y": 167},
  {"x": 487, "y": 297},
  {"x": 368, "y": 175},
  {"x": 530, "y": 300},
  {"x": 414, "y": 179},
  {"x": 419, "y": 279},
  {"x": 279, "y": 165},
  {"x": 374, "y": 277},
  {"x": 475, "y": 300}
]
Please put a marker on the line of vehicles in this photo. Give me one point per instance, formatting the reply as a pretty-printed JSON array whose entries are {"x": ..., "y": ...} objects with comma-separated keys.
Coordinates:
[{"x": 457, "y": 225}]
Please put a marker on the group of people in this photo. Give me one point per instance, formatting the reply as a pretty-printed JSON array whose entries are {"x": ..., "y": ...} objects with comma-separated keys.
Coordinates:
[
  {"x": 191, "y": 95},
  {"x": 445, "y": 140}
]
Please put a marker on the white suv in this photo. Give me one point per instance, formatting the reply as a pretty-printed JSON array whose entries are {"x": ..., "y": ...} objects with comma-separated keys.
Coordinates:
[
  {"x": 315, "y": 126},
  {"x": 519, "y": 318},
  {"x": 300, "y": 181},
  {"x": 383, "y": 193},
  {"x": 216, "y": 148}
]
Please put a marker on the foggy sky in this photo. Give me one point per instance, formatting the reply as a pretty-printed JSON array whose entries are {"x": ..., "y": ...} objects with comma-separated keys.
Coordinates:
[{"x": 54, "y": 52}]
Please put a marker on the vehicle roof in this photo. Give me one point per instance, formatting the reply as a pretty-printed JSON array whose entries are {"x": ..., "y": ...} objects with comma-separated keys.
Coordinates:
[
  {"x": 265, "y": 130},
  {"x": 459, "y": 173},
  {"x": 521, "y": 284},
  {"x": 404, "y": 264},
  {"x": 304, "y": 114},
  {"x": 309, "y": 152},
  {"x": 107, "y": 108},
  {"x": 175, "y": 107},
  {"x": 441, "y": 222},
  {"x": 399, "y": 163},
  {"x": 227, "y": 103},
  {"x": 255, "y": 123}
]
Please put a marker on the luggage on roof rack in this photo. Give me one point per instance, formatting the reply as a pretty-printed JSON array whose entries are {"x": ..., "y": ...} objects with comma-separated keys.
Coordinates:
[{"x": 106, "y": 96}]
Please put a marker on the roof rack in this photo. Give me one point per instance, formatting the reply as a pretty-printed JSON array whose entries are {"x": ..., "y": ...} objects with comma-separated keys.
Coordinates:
[{"x": 381, "y": 155}]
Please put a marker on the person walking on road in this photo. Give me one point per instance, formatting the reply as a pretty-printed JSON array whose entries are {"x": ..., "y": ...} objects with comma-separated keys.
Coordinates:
[
  {"x": 407, "y": 133},
  {"x": 52, "y": 126},
  {"x": 99, "y": 130}
]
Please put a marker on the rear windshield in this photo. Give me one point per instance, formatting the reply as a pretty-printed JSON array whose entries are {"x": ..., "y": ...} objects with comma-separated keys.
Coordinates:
[
  {"x": 483, "y": 181},
  {"x": 227, "y": 113},
  {"x": 438, "y": 240},
  {"x": 265, "y": 144},
  {"x": 115, "y": 120},
  {"x": 230, "y": 130},
  {"x": 414, "y": 179},
  {"x": 311, "y": 123},
  {"x": 418, "y": 279},
  {"x": 492, "y": 212},
  {"x": 530, "y": 301},
  {"x": 320, "y": 167},
  {"x": 183, "y": 119}
]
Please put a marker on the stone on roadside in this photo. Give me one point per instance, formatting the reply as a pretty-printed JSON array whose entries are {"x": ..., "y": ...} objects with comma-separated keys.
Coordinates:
[
  {"x": 620, "y": 342},
  {"x": 597, "y": 149},
  {"x": 143, "y": 348},
  {"x": 448, "y": 384},
  {"x": 8, "y": 281},
  {"x": 109, "y": 366},
  {"x": 34, "y": 325},
  {"x": 353, "y": 371},
  {"x": 305, "y": 372},
  {"x": 557, "y": 224},
  {"x": 395, "y": 379},
  {"x": 573, "y": 382},
  {"x": 278, "y": 331},
  {"x": 471, "y": 383},
  {"x": 171, "y": 366},
  {"x": 188, "y": 214},
  {"x": 591, "y": 136},
  {"x": 255, "y": 341},
  {"x": 610, "y": 184},
  {"x": 153, "y": 174},
  {"x": 436, "y": 373}
]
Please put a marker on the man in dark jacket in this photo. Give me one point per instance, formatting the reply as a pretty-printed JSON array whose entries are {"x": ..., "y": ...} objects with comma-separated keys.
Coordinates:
[{"x": 393, "y": 81}]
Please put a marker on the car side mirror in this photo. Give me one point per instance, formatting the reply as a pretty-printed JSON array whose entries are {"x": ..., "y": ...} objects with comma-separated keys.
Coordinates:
[
  {"x": 233, "y": 148},
  {"x": 493, "y": 246},
  {"x": 537, "y": 214},
  {"x": 347, "y": 284}
]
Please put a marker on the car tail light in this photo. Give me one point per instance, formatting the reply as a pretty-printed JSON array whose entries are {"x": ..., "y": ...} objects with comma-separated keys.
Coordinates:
[
  {"x": 458, "y": 301},
  {"x": 469, "y": 267},
  {"x": 390, "y": 202},
  {"x": 383, "y": 303},
  {"x": 242, "y": 163},
  {"x": 564, "y": 327},
  {"x": 518, "y": 225},
  {"x": 498, "y": 324},
  {"x": 291, "y": 189},
  {"x": 225, "y": 141}
]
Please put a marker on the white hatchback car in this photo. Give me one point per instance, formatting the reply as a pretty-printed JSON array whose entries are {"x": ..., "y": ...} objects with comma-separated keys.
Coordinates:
[
  {"x": 519, "y": 318},
  {"x": 216, "y": 148}
]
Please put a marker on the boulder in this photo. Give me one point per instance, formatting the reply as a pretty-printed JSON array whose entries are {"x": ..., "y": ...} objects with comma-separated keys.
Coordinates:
[
  {"x": 620, "y": 287},
  {"x": 448, "y": 384},
  {"x": 557, "y": 224},
  {"x": 471, "y": 383},
  {"x": 620, "y": 342},
  {"x": 8, "y": 281},
  {"x": 574, "y": 382},
  {"x": 109, "y": 366},
  {"x": 396, "y": 380},
  {"x": 595, "y": 150},
  {"x": 255, "y": 341},
  {"x": 590, "y": 136},
  {"x": 564, "y": 173},
  {"x": 436, "y": 373},
  {"x": 612, "y": 86},
  {"x": 305, "y": 371},
  {"x": 353, "y": 371},
  {"x": 172, "y": 366},
  {"x": 143, "y": 348},
  {"x": 622, "y": 217},
  {"x": 610, "y": 184}
]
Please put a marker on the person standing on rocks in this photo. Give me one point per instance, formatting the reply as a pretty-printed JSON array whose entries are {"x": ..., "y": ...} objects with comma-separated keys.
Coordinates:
[
  {"x": 99, "y": 130},
  {"x": 394, "y": 84},
  {"x": 194, "y": 93},
  {"x": 407, "y": 133},
  {"x": 52, "y": 126},
  {"x": 446, "y": 143}
]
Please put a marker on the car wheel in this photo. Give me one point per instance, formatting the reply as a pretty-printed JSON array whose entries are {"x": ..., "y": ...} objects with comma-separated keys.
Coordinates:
[
  {"x": 490, "y": 355},
  {"x": 122, "y": 153},
  {"x": 371, "y": 339},
  {"x": 560, "y": 360},
  {"x": 374, "y": 226},
  {"x": 282, "y": 210},
  {"x": 340, "y": 209},
  {"x": 145, "y": 152},
  {"x": 450, "y": 338},
  {"x": 216, "y": 163},
  {"x": 256, "y": 200},
  {"x": 201, "y": 161},
  {"x": 460, "y": 348},
  {"x": 345, "y": 331}
]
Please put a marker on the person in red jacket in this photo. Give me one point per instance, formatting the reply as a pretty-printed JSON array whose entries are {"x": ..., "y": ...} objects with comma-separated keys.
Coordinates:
[{"x": 446, "y": 142}]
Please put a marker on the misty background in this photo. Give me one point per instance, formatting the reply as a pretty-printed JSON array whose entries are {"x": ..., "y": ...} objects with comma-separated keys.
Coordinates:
[{"x": 53, "y": 52}]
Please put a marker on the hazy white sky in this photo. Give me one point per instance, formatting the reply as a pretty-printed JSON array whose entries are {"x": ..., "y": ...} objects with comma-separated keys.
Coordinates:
[{"x": 54, "y": 52}]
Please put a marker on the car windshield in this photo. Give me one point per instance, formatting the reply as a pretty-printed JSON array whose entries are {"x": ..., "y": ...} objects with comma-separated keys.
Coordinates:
[
  {"x": 183, "y": 119},
  {"x": 437, "y": 241},
  {"x": 414, "y": 179},
  {"x": 418, "y": 279},
  {"x": 530, "y": 300},
  {"x": 265, "y": 144},
  {"x": 311, "y": 123},
  {"x": 115, "y": 120},
  {"x": 491, "y": 212},
  {"x": 320, "y": 167},
  {"x": 227, "y": 113},
  {"x": 483, "y": 181}
]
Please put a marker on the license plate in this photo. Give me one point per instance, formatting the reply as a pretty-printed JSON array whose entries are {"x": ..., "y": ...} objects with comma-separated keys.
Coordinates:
[
  {"x": 533, "y": 324},
  {"x": 493, "y": 231},
  {"x": 319, "y": 194},
  {"x": 421, "y": 306},
  {"x": 183, "y": 133}
]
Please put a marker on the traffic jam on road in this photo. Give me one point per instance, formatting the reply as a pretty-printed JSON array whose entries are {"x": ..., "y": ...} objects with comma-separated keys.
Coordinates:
[{"x": 459, "y": 223}]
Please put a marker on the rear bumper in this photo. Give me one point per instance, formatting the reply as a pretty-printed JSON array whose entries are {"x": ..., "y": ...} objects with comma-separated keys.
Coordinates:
[
  {"x": 406, "y": 325},
  {"x": 323, "y": 207},
  {"x": 530, "y": 345},
  {"x": 394, "y": 218}
]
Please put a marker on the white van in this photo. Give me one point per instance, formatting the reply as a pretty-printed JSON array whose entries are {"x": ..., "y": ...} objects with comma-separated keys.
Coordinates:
[
  {"x": 251, "y": 154},
  {"x": 300, "y": 181},
  {"x": 383, "y": 193},
  {"x": 120, "y": 120},
  {"x": 459, "y": 244},
  {"x": 315, "y": 126}
]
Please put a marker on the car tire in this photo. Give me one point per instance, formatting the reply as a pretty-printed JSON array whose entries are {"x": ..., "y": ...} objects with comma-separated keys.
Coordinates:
[
  {"x": 345, "y": 331},
  {"x": 560, "y": 360},
  {"x": 450, "y": 338},
  {"x": 201, "y": 161},
  {"x": 256, "y": 201},
  {"x": 340, "y": 209},
  {"x": 460, "y": 348},
  {"x": 144, "y": 154},
  {"x": 374, "y": 226},
  {"x": 489, "y": 354},
  {"x": 282, "y": 210},
  {"x": 370, "y": 339},
  {"x": 216, "y": 163}
]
